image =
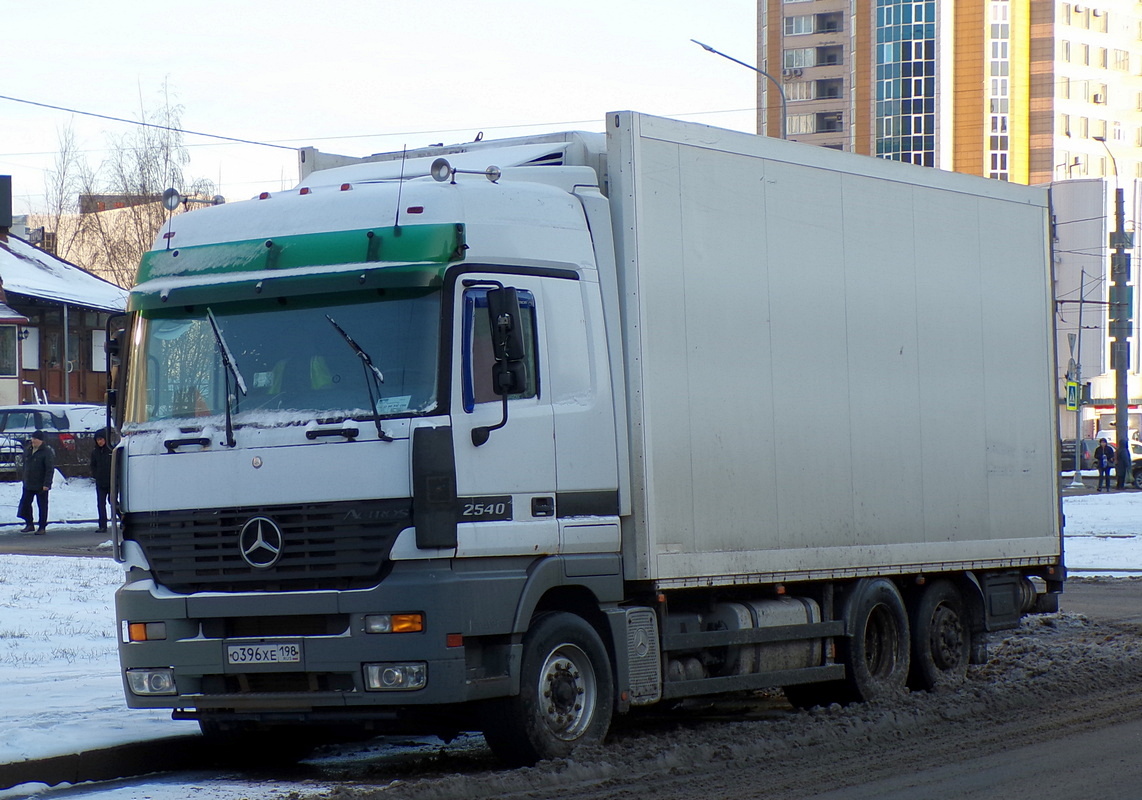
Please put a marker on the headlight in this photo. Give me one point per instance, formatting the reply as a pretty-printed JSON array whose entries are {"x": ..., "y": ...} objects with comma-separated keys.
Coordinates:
[
  {"x": 394, "y": 623},
  {"x": 396, "y": 677},
  {"x": 144, "y": 682}
]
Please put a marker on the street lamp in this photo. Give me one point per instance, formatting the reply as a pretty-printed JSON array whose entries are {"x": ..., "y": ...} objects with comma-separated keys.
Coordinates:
[
  {"x": 1121, "y": 308},
  {"x": 780, "y": 91}
]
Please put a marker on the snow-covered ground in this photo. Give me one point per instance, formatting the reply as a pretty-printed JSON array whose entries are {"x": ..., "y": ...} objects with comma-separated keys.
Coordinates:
[{"x": 58, "y": 664}]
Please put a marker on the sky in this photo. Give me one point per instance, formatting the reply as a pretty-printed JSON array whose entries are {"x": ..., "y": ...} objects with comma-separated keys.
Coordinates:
[
  {"x": 355, "y": 76},
  {"x": 59, "y": 668}
]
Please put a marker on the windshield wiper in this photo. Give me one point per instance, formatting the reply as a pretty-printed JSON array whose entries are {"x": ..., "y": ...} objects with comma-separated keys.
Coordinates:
[
  {"x": 231, "y": 369},
  {"x": 373, "y": 377}
]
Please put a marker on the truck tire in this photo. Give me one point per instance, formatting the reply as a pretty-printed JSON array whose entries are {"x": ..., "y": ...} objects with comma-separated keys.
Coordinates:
[
  {"x": 941, "y": 637},
  {"x": 876, "y": 654},
  {"x": 566, "y": 694},
  {"x": 1137, "y": 479}
]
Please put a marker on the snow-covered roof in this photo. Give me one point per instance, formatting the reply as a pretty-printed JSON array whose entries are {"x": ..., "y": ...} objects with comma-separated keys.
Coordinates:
[{"x": 32, "y": 272}]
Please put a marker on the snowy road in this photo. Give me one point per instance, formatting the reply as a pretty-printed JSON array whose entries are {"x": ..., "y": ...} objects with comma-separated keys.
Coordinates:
[{"x": 1057, "y": 682}]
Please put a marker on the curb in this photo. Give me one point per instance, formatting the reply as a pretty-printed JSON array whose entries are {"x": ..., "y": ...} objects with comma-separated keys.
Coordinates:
[{"x": 121, "y": 761}]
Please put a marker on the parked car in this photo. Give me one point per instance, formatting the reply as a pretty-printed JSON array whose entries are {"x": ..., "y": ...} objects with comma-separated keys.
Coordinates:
[
  {"x": 68, "y": 427},
  {"x": 1067, "y": 454}
]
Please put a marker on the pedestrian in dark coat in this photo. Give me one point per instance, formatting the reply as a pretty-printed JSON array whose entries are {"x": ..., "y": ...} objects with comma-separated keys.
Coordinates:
[
  {"x": 39, "y": 468},
  {"x": 101, "y": 472},
  {"x": 1104, "y": 460}
]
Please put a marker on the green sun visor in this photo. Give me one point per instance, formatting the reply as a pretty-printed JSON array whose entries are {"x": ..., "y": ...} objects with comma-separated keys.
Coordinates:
[{"x": 411, "y": 256}]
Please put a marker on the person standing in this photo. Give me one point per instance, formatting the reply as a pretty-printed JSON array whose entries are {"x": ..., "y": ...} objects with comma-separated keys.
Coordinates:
[
  {"x": 101, "y": 472},
  {"x": 39, "y": 468},
  {"x": 1104, "y": 460},
  {"x": 1122, "y": 467}
]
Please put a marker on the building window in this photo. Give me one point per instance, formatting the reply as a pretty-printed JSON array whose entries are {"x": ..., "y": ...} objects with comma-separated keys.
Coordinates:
[
  {"x": 798, "y": 25},
  {"x": 8, "y": 341},
  {"x": 829, "y": 23},
  {"x": 830, "y": 56},
  {"x": 1065, "y": 88},
  {"x": 1122, "y": 60},
  {"x": 799, "y": 57},
  {"x": 799, "y": 90},
  {"x": 801, "y": 123},
  {"x": 829, "y": 88},
  {"x": 1064, "y": 50},
  {"x": 1065, "y": 124},
  {"x": 905, "y": 73}
]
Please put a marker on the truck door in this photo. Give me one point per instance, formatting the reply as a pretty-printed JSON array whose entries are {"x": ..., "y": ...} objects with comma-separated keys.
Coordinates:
[{"x": 506, "y": 486}]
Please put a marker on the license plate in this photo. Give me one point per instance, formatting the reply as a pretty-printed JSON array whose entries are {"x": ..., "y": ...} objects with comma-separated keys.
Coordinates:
[{"x": 263, "y": 653}]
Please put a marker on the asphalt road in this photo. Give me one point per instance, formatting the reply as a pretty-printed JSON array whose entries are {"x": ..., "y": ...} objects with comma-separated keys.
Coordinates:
[{"x": 82, "y": 542}]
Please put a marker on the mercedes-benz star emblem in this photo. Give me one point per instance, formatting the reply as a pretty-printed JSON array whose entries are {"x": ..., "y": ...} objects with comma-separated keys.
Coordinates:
[{"x": 260, "y": 542}]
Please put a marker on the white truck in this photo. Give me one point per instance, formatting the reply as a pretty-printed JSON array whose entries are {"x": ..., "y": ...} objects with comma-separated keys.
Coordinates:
[{"x": 515, "y": 436}]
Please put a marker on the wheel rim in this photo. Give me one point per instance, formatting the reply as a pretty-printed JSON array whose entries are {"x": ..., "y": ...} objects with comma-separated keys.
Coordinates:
[
  {"x": 947, "y": 638},
  {"x": 567, "y": 692},
  {"x": 880, "y": 640}
]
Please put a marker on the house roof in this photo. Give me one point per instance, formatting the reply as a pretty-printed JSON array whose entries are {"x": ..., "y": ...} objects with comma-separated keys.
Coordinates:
[{"x": 35, "y": 273}]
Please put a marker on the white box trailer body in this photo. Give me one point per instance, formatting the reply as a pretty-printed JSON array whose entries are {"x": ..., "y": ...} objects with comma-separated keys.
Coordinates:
[
  {"x": 834, "y": 365},
  {"x": 668, "y": 411}
]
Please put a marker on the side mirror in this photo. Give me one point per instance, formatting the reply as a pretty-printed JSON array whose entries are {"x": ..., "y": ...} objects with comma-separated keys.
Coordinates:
[
  {"x": 509, "y": 373},
  {"x": 504, "y": 316}
]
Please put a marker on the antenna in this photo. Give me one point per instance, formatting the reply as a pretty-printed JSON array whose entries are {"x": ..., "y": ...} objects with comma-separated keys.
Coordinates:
[{"x": 400, "y": 186}]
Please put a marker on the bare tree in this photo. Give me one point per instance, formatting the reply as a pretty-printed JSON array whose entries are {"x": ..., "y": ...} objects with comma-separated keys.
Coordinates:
[{"x": 119, "y": 203}]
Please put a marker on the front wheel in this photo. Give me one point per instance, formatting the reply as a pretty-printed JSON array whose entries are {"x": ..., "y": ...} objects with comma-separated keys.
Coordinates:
[{"x": 566, "y": 694}]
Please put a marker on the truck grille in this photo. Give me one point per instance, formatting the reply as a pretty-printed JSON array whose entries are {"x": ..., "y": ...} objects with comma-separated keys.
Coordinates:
[{"x": 331, "y": 546}]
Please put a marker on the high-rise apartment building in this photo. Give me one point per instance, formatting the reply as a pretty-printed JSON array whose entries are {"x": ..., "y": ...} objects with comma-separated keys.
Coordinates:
[{"x": 1022, "y": 90}]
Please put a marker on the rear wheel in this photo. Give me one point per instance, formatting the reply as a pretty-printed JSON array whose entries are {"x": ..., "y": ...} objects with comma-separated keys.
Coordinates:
[
  {"x": 876, "y": 656},
  {"x": 566, "y": 695},
  {"x": 941, "y": 638}
]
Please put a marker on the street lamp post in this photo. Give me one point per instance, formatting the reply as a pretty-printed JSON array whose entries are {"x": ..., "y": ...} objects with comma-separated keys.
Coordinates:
[
  {"x": 1121, "y": 307},
  {"x": 776, "y": 84}
]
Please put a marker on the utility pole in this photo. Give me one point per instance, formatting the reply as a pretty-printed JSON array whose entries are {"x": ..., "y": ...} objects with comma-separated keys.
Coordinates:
[
  {"x": 1077, "y": 480},
  {"x": 1121, "y": 307}
]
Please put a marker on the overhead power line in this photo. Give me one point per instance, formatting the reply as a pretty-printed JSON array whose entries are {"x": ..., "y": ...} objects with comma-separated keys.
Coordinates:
[
  {"x": 143, "y": 124},
  {"x": 331, "y": 138}
]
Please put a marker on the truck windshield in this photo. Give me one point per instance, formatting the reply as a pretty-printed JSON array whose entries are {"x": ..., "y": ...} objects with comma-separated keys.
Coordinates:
[{"x": 293, "y": 361}]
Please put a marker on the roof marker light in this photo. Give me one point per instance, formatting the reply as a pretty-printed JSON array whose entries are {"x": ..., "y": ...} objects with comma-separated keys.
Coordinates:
[
  {"x": 264, "y": 196},
  {"x": 414, "y": 210},
  {"x": 346, "y": 187},
  {"x": 304, "y": 190}
]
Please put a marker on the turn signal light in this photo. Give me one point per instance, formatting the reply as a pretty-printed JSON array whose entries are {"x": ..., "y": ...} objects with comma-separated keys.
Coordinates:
[
  {"x": 394, "y": 623},
  {"x": 146, "y": 631}
]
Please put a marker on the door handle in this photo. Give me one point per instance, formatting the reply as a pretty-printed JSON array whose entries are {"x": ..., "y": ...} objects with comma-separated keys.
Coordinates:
[{"x": 543, "y": 506}]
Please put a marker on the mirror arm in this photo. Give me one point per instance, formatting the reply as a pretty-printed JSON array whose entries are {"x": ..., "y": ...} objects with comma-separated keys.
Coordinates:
[{"x": 480, "y": 435}]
